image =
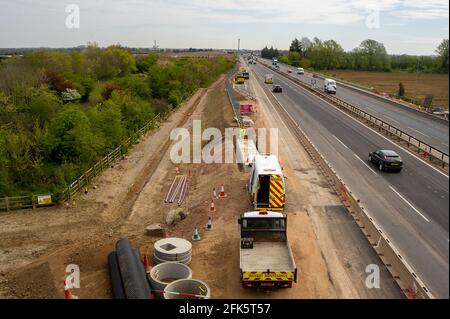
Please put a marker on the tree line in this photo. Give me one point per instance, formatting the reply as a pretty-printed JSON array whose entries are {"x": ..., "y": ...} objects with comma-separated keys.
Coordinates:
[
  {"x": 60, "y": 112},
  {"x": 370, "y": 55}
]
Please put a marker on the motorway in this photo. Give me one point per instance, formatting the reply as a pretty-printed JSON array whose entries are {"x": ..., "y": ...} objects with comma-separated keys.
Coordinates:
[
  {"x": 411, "y": 207},
  {"x": 425, "y": 128}
]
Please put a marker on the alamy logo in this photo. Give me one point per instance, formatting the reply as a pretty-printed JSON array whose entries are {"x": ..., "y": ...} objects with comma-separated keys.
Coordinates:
[
  {"x": 72, "y": 276},
  {"x": 373, "y": 279},
  {"x": 373, "y": 17},
  {"x": 73, "y": 17}
]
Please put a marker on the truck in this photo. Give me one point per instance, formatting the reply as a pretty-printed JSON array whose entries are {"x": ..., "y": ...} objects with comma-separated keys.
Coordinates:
[
  {"x": 240, "y": 79},
  {"x": 266, "y": 259},
  {"x": 268, "y": 79},
  {"x": 274, "y": 61},
  {"x": 329, "y": 86},
  {"x": 266, "y": 185}
]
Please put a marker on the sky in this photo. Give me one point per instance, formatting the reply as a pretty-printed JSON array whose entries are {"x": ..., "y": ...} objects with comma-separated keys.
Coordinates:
[{"x": 404, "y": 26}]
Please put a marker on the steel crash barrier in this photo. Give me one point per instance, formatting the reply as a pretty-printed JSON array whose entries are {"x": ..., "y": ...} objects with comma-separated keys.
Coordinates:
[
  {"x": 232, "y": 96},
  {"x": 425, "y": 150},
  {"x": 405, "y": 276}
]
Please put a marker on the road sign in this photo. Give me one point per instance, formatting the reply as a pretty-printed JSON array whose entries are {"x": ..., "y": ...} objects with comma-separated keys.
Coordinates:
[
  {"x": 246, "y": 108},
  {"x": 44, "y": 200}
]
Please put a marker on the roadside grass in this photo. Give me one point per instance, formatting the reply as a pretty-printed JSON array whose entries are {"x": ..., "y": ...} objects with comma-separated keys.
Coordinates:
[{"x": 416, "y": 86}]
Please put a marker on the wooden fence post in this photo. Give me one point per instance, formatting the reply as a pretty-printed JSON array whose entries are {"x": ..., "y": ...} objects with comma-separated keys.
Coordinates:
[
  {"x": 7, "y": 204},
  {"x": 33, "y": 202}
]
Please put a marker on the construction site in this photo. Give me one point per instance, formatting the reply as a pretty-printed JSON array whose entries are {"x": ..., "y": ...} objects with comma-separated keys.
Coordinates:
[{"x": 150, "y": 226}]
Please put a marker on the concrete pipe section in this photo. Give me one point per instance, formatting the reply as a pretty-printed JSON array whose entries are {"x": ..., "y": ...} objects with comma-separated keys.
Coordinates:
[
  {"x": 173, "y": 249},
  {"x": 163, "y": 274},
  {"x": 187, "y": 289}
]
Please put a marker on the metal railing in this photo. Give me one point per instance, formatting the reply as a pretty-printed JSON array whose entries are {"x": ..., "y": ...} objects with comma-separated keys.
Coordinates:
[
  {"x": 427, "y": 151},
  {"x": 233, "y": 100},
  {"x": 405, "y": 276}
]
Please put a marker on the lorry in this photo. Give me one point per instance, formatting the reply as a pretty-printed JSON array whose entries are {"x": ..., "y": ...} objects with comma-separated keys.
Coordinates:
[
  {"x": 268, "y": 79},
  {"x": 240, "y": 79},
  {"x": 266, "y": 259},
  {"x": 274, "y": 61},
  {"x": 266, "y": 185},
  {"x": 329, "y": 86}
]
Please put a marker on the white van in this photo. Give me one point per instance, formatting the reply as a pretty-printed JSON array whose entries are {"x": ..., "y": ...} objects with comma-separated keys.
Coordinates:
[
  {"x": 330, "y": 86},
  {"x": 300, "y": 71}
]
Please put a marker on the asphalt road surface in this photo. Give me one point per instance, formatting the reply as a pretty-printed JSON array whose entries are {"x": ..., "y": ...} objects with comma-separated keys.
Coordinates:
[
  {"x": 431, "y": 131},
  {"x": 411, "y": 207}
]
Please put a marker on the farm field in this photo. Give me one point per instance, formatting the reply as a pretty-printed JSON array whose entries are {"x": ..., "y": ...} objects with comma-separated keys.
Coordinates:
[{"x": 416, "y": 86}]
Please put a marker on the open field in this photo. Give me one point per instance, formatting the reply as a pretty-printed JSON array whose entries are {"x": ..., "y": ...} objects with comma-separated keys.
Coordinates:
[{"x": 416, "y": 86}]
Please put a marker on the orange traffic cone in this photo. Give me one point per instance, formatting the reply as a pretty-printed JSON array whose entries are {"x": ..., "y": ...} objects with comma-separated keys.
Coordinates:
[
  {"x": 177, "y": 170},
  {"x": 190, "y": 173},
  {"x": 212, "y": 208},
  {"x": 68, "y": 293},
  {"x": 146, "y": 265},
  {"x": 222, "y": 192}
]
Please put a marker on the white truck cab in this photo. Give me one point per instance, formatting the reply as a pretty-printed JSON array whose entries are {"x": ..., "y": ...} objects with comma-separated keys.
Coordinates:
[{"x": 329, "y": 86}]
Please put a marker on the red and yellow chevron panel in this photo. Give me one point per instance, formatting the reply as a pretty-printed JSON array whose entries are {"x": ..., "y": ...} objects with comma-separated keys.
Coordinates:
[{"x": 276, "y": 193}]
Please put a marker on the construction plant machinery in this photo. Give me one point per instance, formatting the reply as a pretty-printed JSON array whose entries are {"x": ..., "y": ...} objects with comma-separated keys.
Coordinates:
[{"x": 266, "y": 259}]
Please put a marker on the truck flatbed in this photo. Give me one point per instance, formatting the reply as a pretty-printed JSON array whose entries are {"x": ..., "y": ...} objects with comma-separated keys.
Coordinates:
[{"x": 267, "y": 255}]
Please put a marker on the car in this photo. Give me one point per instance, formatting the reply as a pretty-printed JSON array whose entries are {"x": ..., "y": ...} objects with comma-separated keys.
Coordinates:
[
  {"x": 277, "y": 88},
  {"x": 386, "y": 160},
  {"x": 300, "y": 71}
]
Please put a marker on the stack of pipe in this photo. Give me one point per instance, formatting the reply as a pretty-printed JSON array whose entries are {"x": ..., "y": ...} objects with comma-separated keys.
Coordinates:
[{"x": 128, "y": 277}]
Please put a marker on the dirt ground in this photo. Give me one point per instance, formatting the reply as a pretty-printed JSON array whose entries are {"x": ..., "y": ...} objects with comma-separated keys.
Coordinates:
[
  {"x": 416, "y": 86},
  {"x": 329, "y": 250}
]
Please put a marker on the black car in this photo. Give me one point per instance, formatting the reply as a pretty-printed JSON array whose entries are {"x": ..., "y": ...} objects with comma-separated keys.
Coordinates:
[
  {"x": 277, "y": 89},
  {"x": 386, "y": 160}
]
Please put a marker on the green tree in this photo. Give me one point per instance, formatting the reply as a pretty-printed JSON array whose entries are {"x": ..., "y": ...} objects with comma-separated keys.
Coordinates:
[
  {"x": 374, "y": 56},
  {"x": 296, "y": 46},
  {"x": 294, "y": 58},
  {"x": 443, "y": 56},
  {"x": 71, "y": 139},
  {"x": 106, "y": 120},
  {"x": 43, "y": 106}
]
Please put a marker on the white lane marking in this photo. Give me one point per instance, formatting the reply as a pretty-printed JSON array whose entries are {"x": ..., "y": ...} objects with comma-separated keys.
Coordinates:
[
  {"x": 372, "y": 130},
  {"x": 340, "y": 142},
  {"x": 365, "y": 164},
  {"x": 445, "y": 144},
  {"x": 407, "y": 202},
  {"x": 418, "y": 131}
]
